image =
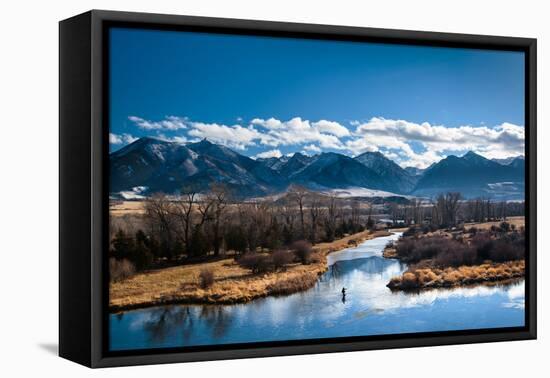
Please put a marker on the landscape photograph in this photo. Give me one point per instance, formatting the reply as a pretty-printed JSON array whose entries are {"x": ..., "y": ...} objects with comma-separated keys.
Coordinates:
[{"x": 270, "y": 189}]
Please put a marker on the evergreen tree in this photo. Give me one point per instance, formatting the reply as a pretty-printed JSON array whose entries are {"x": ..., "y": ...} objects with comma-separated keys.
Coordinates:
[{"x": 123, "y": 245}]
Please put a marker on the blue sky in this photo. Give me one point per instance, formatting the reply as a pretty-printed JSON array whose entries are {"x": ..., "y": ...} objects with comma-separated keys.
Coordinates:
[{"x": 265, "y": 96}]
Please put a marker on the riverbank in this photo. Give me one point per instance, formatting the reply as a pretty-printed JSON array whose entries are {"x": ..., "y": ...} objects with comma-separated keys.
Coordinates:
[
  {"x": 483, "y": 253},
  {"x": 232, "y": 283},
  {"x": 429, "y": 278}
]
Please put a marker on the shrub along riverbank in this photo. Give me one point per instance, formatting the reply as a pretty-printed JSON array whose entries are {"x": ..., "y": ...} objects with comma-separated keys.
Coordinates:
[
  {"x": 459, "y": 257},
  {"x": 231, "y": 281}
]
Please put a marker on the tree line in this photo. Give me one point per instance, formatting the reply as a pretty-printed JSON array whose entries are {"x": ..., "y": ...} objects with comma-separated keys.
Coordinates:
[
  {"x": 450, "y": 209},
  {"x": 199, "y": 225}
]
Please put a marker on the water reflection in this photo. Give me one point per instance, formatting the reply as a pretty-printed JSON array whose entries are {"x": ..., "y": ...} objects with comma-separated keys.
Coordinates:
[
  {"x": 367, "y": 308},
  {"x": 217, "y": 319},
  {"x": 162, "y": 324},
  {"x": 164, "y": 320}
]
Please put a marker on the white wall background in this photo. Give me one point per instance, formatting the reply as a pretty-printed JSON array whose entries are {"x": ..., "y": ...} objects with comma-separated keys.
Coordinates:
[{"x": 29, "y": 185}]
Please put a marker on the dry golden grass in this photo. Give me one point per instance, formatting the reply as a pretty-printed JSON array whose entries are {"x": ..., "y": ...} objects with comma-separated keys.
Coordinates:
[
  {"x": 390, "y": 253},
  {"x": 181, "y": 284},
  {"x": 120, "y": 208},
  {"x": 518, "y": 221},
  {"x": 425, "y": 275},
  {"x": 289, "y": 285},
  {"x": 232, "y": 284},
  {"x": 422, "y": 278}
]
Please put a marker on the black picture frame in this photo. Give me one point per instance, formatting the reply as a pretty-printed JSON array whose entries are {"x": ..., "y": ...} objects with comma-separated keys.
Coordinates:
[{"x": 83, "y": 180}]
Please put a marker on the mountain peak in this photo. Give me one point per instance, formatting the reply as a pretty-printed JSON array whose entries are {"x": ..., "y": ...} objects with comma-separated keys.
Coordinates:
[
  {"x": 147, "y": 139},
  {"x": 298, "y": 156},
  {"x": 510, "y": 160},
  {"x": 141, "y": 143},
  {"x": 402, "y": 181},
  {"x": 204, "y": 142},
  {"x": 372, "y": 153},
  {"x": 472, "y": 157},
  {"x": 471, "y": 174},
  {"x": 472, "y": 154}
]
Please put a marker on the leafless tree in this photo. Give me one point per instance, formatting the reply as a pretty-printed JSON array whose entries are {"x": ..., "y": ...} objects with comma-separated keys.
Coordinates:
[
  {"x": 158, "y": 214},
  {"x": 298, "y": 195},
  {"x": 394, "y": 212},
  {"x": 217, "y": 198},
  {"x": 332, "y": 216},
  {"x": 445, "y": 208},
  {"x": 183, "y": 211},
  {"x": 355, "y": 213},
  {"x": 315, "y": 213},
  {"x": 416, "y": 211}
]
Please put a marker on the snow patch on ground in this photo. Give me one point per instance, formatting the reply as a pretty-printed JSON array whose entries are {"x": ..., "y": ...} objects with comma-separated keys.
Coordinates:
[
  {"x": 363, "y": 192},
  {"x": 135, "y": 193}
]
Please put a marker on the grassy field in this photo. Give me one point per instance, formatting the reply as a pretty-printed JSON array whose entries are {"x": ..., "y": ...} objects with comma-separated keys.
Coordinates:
[
  {"x": 517, "y": 221},
  {"x": 120, "y": 208},
  {"x": 232, "y": 283},
  {"x": 425, "y": 275},
  {"x": 425, "y": 278}
]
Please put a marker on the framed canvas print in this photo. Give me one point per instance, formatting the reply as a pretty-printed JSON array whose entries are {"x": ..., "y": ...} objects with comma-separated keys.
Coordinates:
[{"x": 234, "y": 188}]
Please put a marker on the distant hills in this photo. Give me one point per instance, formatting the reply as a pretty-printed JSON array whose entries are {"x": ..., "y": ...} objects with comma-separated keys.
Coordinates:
[
  {"x": 399, "y": 180},
  {"x": 167, "y": 167},
  {"x": 155, "y": 165},
  {"x": 510, "y": 160},
  {"x": 474, "y": 176}
]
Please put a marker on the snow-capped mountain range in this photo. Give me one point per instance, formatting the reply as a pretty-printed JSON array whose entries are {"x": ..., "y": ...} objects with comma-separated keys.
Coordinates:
[{"x": 155, "y": 165}]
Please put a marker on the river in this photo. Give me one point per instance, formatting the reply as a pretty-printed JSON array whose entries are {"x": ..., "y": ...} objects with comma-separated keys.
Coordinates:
[{"x": 369, "y": 308}]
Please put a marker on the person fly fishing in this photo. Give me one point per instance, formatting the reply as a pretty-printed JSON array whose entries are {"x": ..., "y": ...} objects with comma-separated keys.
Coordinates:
[{"x": 343, "y": 295}]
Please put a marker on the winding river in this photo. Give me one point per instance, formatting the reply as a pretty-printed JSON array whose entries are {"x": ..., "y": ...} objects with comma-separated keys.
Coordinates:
[{"x": 369, "y": 308}]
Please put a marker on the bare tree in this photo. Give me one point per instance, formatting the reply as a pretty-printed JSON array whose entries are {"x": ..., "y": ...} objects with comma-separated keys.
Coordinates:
[
  {"x": 445, "y": 209},
  {"x": 332, "y": 215},
  {"x": 288, "y": 216},
  {"x": 355, "y": 212},
  {"x": 183, "y": 211},
  {"x": 218, "y": 197},
  {"x": 158, "y": 214},
  {"x": 452, "y": 206},
  {"x": 298, "y": 195},
  {"x": 315, "y": 212},
  {"x": 416, "y": 215}
]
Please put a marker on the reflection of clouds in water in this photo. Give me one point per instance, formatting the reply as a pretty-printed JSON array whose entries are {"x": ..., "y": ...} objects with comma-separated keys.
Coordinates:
[
  {"x": 320, "y": 312},
  {"x": 518, "y": 304},
  {"x": 516, "y": 291},
  {"x": 367, "y": 295},
  {"x": 365, "y": 280},
  {"x": 516, "y": 295},
  {"x": 373, "y": 247},
  {"x": 429, "y": 297}
]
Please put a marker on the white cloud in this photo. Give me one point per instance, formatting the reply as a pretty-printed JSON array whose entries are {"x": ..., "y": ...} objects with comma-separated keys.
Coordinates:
[
  {"x": 121, "y": 138},
  {"x": 269, "y": 154},
  {"x": 177, "y": 139},
  {"x": 312, "y": 148},
  {"x": 297, "y": 131},
  {"x": 271, "y": 123},
  {"x": 236, "y": 136},
  {"x": 330, "y": 127},
  {"x": 171, "y": 123},
  {"x": 395, "y": 138},
  {"x": 501, "y": 141}
]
